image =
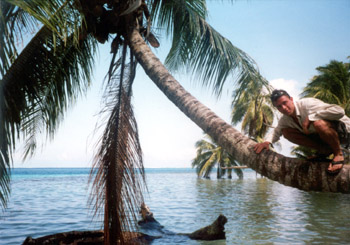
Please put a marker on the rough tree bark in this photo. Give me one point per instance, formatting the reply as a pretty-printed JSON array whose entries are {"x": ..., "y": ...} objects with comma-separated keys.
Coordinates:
[{"x": 308, "y": 176}]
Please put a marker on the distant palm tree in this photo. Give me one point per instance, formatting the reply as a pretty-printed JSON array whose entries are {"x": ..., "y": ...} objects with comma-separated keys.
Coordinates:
[
  {"x": 332, "y": 85},
  {"x": 252, "y": 107},
  {"x": 209, "y": 155}
]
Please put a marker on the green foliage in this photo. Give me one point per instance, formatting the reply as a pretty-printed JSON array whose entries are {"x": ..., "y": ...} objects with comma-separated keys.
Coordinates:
[
  {"x": 41, "y": 81},
  {"x": 252, "y": 107},
  {"x": 303, "y": 152},
  {"x": 332, "y": 85},
  {"x": 209, "y": 155},
  {"x": 197, "y": 46}
]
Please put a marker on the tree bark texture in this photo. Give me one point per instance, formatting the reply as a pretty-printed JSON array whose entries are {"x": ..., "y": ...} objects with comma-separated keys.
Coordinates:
[
  {"x": 86, "y": 237},
  {"x": 308, "y": 176}
]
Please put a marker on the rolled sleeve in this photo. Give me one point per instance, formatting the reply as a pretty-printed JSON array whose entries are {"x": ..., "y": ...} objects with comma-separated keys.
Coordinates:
[{"x": 331, "y": 112}]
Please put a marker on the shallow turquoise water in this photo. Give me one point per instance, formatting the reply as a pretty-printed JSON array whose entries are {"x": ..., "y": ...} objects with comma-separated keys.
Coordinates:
[{"x": 259, "y": 211}]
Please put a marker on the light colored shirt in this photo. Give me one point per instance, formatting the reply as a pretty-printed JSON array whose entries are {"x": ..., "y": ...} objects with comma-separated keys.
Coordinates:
[{"x": 313, "y": 108}]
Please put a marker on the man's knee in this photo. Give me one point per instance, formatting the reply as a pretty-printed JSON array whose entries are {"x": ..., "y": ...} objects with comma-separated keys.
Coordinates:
[
  {"x": 289, "y": 132},
  {"x": 322, "y": 125}
]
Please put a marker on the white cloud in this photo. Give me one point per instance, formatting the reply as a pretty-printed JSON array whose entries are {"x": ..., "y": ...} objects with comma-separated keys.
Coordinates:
[{"x": 290, "y": 85}]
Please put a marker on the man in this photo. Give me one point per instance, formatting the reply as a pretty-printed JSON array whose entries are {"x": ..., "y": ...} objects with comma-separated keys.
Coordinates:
[{"x": 312, "y": 123}]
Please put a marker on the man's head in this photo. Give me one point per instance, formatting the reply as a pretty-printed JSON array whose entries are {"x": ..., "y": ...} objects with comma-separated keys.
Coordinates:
[{"x": 283, "y": 102}]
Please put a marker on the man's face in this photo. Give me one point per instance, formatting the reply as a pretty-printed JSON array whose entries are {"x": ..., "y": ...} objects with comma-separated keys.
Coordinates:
[{"x": 285, "y": 105}]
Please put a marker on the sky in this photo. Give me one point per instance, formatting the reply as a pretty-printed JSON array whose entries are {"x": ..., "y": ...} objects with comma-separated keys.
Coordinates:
[{"x": 287, "y": 39}]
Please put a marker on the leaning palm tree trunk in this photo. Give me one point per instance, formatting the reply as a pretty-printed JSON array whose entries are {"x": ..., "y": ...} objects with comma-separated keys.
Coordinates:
[{"x": 288, "y": 171}]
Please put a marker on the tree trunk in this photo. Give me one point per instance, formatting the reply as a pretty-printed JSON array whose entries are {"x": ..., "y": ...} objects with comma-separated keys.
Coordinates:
[{"x": 309, "y": 176}]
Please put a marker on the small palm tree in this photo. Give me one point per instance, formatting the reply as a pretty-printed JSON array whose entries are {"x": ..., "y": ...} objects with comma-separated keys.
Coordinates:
[
  {"x": 332, "y": 85},
  {"x": 209, "y": 155},
  {"x": 251, "y": 106}
]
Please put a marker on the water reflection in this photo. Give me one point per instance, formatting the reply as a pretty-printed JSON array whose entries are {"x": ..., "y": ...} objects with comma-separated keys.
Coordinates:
[
  {"x": 328, "y": 217},
  {"x": 263, "y": 211}
]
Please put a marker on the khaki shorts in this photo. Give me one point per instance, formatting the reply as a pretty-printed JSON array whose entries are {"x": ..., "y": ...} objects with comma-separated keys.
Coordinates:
[{"x": 344, "y": 135}]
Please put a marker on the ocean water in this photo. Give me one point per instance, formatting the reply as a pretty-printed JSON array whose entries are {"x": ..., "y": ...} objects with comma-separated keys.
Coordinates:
[{"x": 259, "y": 211}]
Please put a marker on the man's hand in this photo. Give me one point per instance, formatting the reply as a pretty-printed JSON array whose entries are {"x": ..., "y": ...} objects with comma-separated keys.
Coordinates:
[
  {"x": 261, "y": 146},
  {"x": 306, "y": 125}
]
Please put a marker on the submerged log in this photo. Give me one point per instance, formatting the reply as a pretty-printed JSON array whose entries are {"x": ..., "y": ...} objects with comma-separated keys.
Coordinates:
[
  {"x": 72, "y": 237},
  {"x": 86, "y": 238},
  {"x": 215, "y": 231}
]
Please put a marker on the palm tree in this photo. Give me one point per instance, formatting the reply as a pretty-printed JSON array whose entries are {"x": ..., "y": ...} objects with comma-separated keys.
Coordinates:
[
  {"x": 209, "y": 155},
  {"x": 39, "y": 82},
  {"x": 251, "y": 106},
  {"x": 195, "y": 44},
  {"x": 332, "y": 85}
]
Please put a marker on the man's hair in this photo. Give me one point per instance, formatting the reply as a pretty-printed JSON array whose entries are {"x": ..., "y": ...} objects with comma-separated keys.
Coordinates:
[{"x": 277, "y": 93}]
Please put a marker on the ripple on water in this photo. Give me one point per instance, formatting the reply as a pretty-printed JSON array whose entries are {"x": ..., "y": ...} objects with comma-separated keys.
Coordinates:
[{"x": 259, "y": 211}]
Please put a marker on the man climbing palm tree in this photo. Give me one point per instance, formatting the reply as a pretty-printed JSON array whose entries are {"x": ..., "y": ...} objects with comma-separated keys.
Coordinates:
[{"x": 312, "y": 123}]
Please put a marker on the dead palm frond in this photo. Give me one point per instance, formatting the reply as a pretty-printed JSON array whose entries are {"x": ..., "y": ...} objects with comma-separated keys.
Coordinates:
[{"x": 118, "y": 169}]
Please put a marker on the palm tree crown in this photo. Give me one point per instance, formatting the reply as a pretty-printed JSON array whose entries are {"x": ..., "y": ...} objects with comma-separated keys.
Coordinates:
[
  {"x": 332, "y": 85},
  {"x": 252, "y": 107},
  {"x": 209, "y": 155}
]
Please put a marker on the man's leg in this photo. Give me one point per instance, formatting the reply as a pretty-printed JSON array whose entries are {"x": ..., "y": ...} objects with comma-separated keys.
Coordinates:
[
  {"x": 329, "y": 135},
  {"x": 299, "y": 138}
]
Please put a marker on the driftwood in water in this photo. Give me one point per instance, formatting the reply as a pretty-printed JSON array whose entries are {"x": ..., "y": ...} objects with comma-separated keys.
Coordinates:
[
  {"x": 215, "y": 231},
  {"x": 86, "y": 237},
  {"x": 72, "y": 237}
]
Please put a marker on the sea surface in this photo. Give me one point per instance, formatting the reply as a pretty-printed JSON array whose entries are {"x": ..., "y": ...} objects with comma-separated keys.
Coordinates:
[{"x": 259, "y": 211}]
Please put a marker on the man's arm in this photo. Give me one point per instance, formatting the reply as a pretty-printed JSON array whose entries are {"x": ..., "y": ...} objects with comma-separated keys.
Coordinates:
[{"x": 319, "y": 110}]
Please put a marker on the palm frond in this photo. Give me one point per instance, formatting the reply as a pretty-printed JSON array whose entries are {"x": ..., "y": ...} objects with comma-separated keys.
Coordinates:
[
  {"x": 4, "y": 156},
  {"x": 197, "y": 46},
  {"x": 208, "y": 165},
  {"x": 331, "y": 85},
  {"x": 119, "y": 179},
  {"x": 15, "y": 26},
  {"x": 46, "y": 77},
  {"x": 209, "y": 155},
  {"x": 39, "y": 83},
  {"x": 59, "y": 16}
]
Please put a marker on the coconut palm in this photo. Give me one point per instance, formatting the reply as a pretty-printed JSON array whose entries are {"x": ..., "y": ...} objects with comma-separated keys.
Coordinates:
[
  {"x": 39, "y": 82},
  {"x": 252, "y": 107},
  {"x": 209, "y": 155},
  {"x": 128, "y": 24},
  {"x": 332, "y": 85}
]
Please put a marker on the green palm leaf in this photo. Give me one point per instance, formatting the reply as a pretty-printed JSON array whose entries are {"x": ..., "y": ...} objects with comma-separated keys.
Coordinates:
[
  {"x": 209, "y": 155},
  {"x": 332, "y": 85},
  {"x": 196, "y": 45},
  {"x": 38, "y": 86}
]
